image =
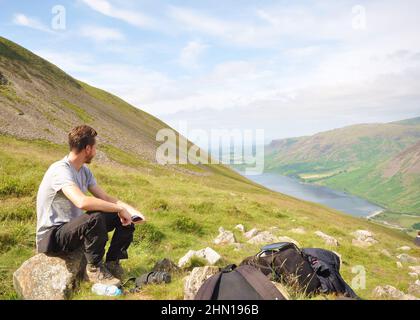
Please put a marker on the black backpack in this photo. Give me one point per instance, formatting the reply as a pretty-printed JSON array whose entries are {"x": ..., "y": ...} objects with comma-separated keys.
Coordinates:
[
  {"x": 284, "y": 262},
  {"x": 326, "y": 264},
  {"x": 238, "y": 283}
]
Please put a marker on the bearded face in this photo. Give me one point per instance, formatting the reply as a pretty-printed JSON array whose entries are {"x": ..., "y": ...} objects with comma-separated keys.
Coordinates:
[{"x": 90, "y": 153}]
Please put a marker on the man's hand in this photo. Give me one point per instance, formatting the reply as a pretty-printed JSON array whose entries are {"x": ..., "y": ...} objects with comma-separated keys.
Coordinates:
[
  {"x": 133, "y": 212},
  {"x": 101, "y": 194},
  {"x": 125, "y": 217}
]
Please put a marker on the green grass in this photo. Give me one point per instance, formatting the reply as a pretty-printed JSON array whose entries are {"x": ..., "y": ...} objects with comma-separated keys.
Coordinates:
[
  {"x": 354, "y": 159},
  {"x": 8, "y": 92},
  {"x": 80, "y": 112},
  {"x": 184, "y": 213},
  {"x": 16, "y": 57}
]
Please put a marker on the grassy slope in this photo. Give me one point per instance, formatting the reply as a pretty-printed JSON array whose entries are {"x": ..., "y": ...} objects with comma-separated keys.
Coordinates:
[
  {"x": 354, "y": 159},
  {"x": 185, "y": 211},
  {"x": 185, "y": 204}
]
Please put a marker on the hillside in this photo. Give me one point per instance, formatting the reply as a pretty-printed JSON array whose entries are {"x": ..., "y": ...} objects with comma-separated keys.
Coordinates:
[
  {"x": 376, "y": 161},
  {"x": 185, "y": 204},
  {"x": 40, "y": 101}
]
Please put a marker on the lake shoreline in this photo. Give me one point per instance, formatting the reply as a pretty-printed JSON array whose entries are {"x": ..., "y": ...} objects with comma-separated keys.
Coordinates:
[{"x": 335, "y": 199}]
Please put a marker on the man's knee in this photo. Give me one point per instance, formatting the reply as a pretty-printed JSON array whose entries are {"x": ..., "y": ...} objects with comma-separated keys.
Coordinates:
[
  {"x": 98, "y": 224},
  {"x": 130, "y": 228}
]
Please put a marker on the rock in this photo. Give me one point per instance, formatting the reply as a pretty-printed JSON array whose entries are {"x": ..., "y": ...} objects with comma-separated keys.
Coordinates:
[
  {"x": 413, "y": 275},
  {"x": 263, "y": 237},
  {"x": 386, "y": 253},
  {"x": 362, "y": 234},
  {"x": 387, "y": 292},
  {"x": 415, "y": 269},
  {"x": 224, "y": 237},
  {"x": 404, "y": 248},
  {"x": 185, "y": 259},
  {"x": 166, "y": 265},
  {"x": 46, "y": 277},
  {"x": 390, "y": 292},
  {"x": 399, "y": 265},
  {"x": 251, "y": 233},
  {"x": 299, "y": 230},
  {"x": 287, "y": 239},
  {"x": 329, "y": 241},
  {"x": 414, "y": 288},
  {"x": 208, "y": 254},
  {"x": 3, "y": 80},
  {"x": 195, "y": 280},
  {"x": 240, "y": 227},
  {"x": 405, "y": 258},
  {"x": 363, "y": 238}
]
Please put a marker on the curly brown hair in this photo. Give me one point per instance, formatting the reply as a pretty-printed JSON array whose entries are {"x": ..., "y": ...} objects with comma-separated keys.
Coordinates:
[{"x": 81, "y": 136}]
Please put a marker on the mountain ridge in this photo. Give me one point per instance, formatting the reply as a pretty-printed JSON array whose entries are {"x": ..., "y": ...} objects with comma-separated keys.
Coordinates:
[{"x": 377, "y": 161}]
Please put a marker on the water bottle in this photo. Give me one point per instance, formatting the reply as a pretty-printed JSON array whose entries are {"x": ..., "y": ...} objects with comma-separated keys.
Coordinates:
[{"x": 106, "y": 290}]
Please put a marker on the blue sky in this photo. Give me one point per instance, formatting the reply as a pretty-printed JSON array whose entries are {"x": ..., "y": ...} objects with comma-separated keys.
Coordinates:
[{"x": 290, "y": 67}]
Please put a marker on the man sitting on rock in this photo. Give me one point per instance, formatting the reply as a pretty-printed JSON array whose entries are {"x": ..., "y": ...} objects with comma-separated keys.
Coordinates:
[{"x": 62, "y": 226}]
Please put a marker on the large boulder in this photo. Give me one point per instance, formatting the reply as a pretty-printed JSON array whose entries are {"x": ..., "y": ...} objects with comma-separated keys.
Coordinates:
[
  {"x": 264, "y": 237},
  {"x": 195, "y": 280},
  {"x": 363, "y": 238},
  {"x": 405, "y": 258},
  {"x": 404, "y": 248},
  {"x": 47, "y": 277},
  {"x": 390, "y": 292},
  {"x": 207, "y": 253},
  {"x": 224, "y": 237},
  {"x": 329, "y": 240},
  {"x": 415, "y": 269},
  {"x": 251, "y": 233},
  {"x": 414, "y": 288}
]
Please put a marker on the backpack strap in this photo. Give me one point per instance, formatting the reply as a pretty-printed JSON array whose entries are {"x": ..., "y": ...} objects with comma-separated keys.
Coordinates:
[
  {"x": 260, "y": 283},
  {"x": 208, "y": 288}
]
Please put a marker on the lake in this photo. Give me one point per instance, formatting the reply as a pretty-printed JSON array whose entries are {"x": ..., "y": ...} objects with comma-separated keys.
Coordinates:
[{"x": 338, "y": 200}]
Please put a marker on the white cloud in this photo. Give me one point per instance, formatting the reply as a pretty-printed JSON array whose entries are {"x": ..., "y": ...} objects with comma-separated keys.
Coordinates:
[
  {"x": 190, "y": 54},
  {"x": 268, "y": 27},
  {"x": 307, "y": 68},
  {"x": 22, "y": 20},
  {"x": 101, "y": 34},
  {"x": 132, "y": 17},
  {"x": 72, "y": 63}
]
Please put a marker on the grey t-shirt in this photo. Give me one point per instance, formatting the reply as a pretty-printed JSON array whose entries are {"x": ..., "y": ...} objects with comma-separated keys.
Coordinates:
[{"x": 52, "y": 206}]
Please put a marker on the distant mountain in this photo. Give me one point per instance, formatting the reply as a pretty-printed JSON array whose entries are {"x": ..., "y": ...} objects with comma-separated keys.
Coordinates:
[{"x": 377, "y": 161}]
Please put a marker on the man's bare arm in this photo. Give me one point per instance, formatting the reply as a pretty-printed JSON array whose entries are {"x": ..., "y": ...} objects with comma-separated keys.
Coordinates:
[
  {"x": 84, "y": 202},
  {"x": 98, "y": 192}
]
